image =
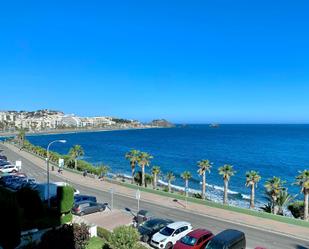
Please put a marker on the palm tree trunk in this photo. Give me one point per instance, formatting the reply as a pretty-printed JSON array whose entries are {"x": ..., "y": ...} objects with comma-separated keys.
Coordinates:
[
  {"x": 169, "y": 186},
  {"x": 252, "y": 197},
  {"x": 306, "y": 194},
  {"x": 154, "y": 181},
  {"x": 75, "y": 160},
  {"x": 274, "y": 206},
  {"x": 204, "y": 187},
  {"x": 143, "y": 175},
  {"x": 133, "y": 171},
  {"x": 186, "y": 183},
  {"x": 225, "y": 192}
]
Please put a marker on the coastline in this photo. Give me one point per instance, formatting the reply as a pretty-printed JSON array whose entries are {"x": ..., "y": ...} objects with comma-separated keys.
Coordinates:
[{"x": 70, "y": 131}]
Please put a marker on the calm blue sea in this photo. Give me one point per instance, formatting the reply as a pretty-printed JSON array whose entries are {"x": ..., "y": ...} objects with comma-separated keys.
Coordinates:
[{"x": 280, "y": 150}]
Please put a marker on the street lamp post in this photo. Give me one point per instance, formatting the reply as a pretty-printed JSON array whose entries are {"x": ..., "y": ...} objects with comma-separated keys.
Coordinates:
[{"x": 47, "y": 167}]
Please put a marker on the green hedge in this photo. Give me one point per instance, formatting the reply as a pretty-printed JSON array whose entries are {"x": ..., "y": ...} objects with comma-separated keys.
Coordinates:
[{"x": 65, "y": 199}]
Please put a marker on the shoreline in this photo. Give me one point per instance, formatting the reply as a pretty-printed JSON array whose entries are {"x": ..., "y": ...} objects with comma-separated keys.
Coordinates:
[{"x": 70, "y": 131}]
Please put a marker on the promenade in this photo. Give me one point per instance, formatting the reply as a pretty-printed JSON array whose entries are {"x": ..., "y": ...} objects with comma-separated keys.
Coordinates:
[{"x": 192, "y": 209}]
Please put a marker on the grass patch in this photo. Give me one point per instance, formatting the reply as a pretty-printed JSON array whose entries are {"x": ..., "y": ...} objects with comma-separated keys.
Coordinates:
[{"x": 95, "y": 243}]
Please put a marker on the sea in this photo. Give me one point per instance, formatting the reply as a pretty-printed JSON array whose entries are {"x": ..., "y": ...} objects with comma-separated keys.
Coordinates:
[{"x": 272, "y": 150}]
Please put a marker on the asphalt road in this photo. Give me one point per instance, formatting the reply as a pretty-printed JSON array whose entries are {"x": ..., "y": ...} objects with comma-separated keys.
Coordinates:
[{"x": 255, "y": 237}]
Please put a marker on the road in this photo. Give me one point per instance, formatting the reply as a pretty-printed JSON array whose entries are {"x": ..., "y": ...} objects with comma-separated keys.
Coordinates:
[{"x": 255, "y": 237}]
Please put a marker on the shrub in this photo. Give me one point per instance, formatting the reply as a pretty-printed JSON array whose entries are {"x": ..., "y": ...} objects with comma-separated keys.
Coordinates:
[
  {"x": 124, "y": 237},
  {"x": 65, "y": 199},
  {"x": 197, "y": 195},
  {"x": 66, "y": 218},
  {"x": 103, "y": 233},
  {"x": 10, "y": 226},
  {"x": 67, "y": 237},
  {"x": 297, "y": 209}
]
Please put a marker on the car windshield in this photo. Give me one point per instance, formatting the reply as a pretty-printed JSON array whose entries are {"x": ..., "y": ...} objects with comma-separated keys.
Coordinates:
[
  {"x": 150, "y": 224},
  {"x": 188, "y": 240},
  {"x": 167, "y": 231},
  {"x": 213, "y": 245}
]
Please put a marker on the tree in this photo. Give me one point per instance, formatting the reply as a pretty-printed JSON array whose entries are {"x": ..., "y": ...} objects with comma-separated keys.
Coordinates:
[
  {"x": 75, "y": 152},
  {"x": 21, "y": 137},
  {"x": 102, "y": 171},
  {"x": 226, "y": 171},
  {"x": 170, "y": 177},
  {"x": 283, "y": 201},
  {"x": 204, "y": 167},
  {"x": 274, "y": 186},
  {"x": 252, "y": 178},
  {"x": 143, "y": 161},
  {"x": 133, "y": 157},
  {"x": 124, "y": 237},
  {"x": 155, "y": 172},
  {"x": 302, "y": 180},
  {"x": 186, "y": 175}
]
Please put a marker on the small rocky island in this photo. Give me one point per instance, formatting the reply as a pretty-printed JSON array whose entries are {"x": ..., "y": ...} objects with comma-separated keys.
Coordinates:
[{"x": 161, "y": 123}]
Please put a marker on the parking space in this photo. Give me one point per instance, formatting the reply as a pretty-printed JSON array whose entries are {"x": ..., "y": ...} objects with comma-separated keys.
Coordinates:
[{"x": 107, "y": 219}]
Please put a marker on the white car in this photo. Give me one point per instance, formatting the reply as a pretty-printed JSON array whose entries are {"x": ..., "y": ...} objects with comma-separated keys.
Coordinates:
[
  {"x": 9, "y": 169},
  {"x": 167, "y": 237}
]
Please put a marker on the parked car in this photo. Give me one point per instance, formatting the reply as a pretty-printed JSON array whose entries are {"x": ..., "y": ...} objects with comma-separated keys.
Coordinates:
[
  {"x": 79, "y": 198},
  {"x": 9, "y": 169},
  {"x": 228, "y": 239},
  {"x": 88, "y": 207},
  {"x": 152, "y": 226},
  {"x": 3, "y": 157},
  {"x": 142, "y": 216},
  {"x": 168, "y": 235},
  {"x": 197, "y": 239},
  {"x": 4, "y": 162}
]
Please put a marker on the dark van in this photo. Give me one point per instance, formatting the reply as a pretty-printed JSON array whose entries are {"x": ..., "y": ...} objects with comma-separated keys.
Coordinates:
[
  {"x": 228, "y": 239},
  {"x": 80, "y": 198}
]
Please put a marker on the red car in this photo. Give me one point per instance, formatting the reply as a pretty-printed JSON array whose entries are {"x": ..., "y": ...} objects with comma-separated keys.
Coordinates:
[{"x": 197, "y": 239}]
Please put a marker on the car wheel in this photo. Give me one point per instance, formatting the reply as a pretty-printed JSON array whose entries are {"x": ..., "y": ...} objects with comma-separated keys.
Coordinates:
[
  {"x": 169, "y": 245},
  {"x": 14, "y": 171},
  {"x": 145, "y": 238},
  {"x": 81, "y": 213}
]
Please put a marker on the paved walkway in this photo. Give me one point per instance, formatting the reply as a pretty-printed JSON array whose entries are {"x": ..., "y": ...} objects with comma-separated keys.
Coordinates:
[{"x": 216, "y": 213}]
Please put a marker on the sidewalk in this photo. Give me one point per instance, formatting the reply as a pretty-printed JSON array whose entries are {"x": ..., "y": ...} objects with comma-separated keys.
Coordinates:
[{"x": 216, "y": 213}]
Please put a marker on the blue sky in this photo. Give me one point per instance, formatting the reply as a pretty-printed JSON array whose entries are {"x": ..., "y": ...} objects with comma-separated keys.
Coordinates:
[{"x": 187, "y": 61}]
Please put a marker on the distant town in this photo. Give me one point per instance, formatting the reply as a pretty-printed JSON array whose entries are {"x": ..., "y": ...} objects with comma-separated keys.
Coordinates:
[{"x": 50, "y": 120}]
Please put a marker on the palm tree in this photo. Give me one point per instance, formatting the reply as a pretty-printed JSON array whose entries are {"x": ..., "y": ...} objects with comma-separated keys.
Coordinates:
[
  {"x": 75, "y": 152},
  {"x": 155, "y": 172},
  {"x": 132, "y": 156},
  {"x": 302, "y": 180},
  {"x": 204, "y": 167},
  {"x": 102, "y": 171},
  {"x": 252, "y": 178},
  {"x": 274, "y": 186},
  {"x": 21, "y": 137},
  {"x": 186, "y": 175},
  {"x": 143, "y": 161},
  {"x": 170, "y": 177},
  {"x": 284, "y": 199},
  {"x": 227, "y": 172}
]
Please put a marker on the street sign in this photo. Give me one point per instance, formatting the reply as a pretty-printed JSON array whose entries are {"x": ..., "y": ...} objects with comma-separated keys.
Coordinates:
[
  {"x": 18, "y": 164},
  {"x": 138, "y": 195},
  {"x": 61, "y": 162}
]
